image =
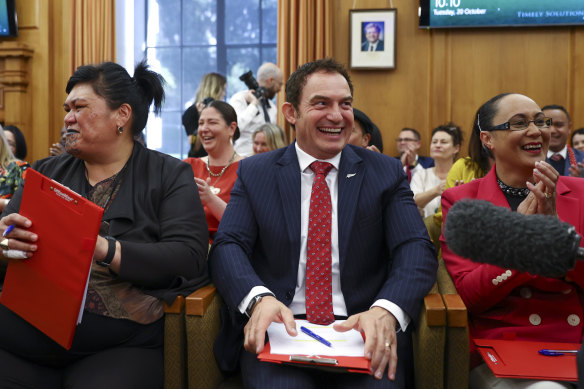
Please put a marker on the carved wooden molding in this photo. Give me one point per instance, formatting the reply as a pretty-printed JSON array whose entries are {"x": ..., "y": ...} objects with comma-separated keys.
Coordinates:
[{"x": 14, "y": 58}]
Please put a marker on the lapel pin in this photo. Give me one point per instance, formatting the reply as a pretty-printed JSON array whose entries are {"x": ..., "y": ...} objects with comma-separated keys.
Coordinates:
[{"x": 351, "y": 175}]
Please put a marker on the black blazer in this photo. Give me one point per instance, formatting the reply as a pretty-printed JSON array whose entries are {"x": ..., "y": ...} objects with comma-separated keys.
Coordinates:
[{"x": 157, "y": 216}]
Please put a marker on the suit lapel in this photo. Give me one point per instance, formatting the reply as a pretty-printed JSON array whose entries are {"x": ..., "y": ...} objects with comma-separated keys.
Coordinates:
[
  {"x": 350, "y": 179},
  {"x": 288, "y": 182}
]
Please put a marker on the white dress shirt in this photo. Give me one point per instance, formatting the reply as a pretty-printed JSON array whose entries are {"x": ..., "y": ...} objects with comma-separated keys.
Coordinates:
[
  {"x": 298, "y": 306},
  {"x": 249, "y": 118},
  {"x": 563, "y": 152}
]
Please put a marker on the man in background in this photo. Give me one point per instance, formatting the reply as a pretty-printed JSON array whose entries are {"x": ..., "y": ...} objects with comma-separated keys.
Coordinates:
[
  {"x": 253, "y": 112},
  {"x": 373, "y": 43},
  {"x": 408, "y": 144},
  {"x": 565, "y": 159}
]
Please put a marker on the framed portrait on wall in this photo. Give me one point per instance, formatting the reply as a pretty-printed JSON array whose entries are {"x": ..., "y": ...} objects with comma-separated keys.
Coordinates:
[{"x": 372, "y": 38}]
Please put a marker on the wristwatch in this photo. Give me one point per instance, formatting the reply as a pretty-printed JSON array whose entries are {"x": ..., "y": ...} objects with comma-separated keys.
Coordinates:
[
  {"x": 111, "y": 251},
  {"x": 254, "y": 301}
]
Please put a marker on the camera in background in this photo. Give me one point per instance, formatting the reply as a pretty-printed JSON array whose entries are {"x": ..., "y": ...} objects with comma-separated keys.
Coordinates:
[{"x": 252, "y": 84}]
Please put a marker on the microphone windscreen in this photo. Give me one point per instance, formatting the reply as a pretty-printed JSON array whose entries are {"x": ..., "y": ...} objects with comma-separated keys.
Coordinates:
[{"x": 537, "y": 244}]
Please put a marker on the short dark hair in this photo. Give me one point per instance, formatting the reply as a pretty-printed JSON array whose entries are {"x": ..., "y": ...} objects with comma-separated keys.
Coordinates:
[
  {"x": 451, "y": 129},
  {"x": 370, "y": 128},
  {"x": 227, "y": 113},
  {"x": 557, "y": 106},
  {"x": 416, "y": 133},
  {"x": 579, "y": 131},
  {"x": 113, "y": 83},
  {"x": 297, "y": 80},
  {"x": 19, "y": 140}
]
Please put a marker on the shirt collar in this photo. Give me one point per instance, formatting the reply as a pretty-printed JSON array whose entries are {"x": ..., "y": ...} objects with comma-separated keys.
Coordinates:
[
  {"x": 305, "y": 159},
  {"x": 563, "y": 152}
]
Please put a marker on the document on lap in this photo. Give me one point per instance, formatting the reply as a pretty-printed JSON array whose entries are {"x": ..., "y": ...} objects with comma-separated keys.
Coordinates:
[{"x": 348, "y": 344}]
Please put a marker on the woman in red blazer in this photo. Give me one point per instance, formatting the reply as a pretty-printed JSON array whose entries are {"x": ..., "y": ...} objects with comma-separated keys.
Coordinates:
[{"x": 504, "y": 303}]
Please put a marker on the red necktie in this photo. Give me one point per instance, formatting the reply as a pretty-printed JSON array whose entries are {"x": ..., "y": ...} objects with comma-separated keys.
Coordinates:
[
  {"x": 557, "y": 157},
  {"x": 319, "y": 298}
]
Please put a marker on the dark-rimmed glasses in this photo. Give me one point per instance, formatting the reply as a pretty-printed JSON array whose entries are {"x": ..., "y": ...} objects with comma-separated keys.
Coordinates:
[{"x": 519, "y": 123}]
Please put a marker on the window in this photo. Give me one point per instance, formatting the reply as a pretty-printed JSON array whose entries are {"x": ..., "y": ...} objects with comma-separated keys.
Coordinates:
[{"x": 185, "y": 39}]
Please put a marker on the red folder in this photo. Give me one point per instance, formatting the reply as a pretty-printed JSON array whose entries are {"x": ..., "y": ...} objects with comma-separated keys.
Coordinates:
[
  {"x": 344, "y": 364},
  {"x": 48, "y": 289},
  {"x": 521, "y": 359}
]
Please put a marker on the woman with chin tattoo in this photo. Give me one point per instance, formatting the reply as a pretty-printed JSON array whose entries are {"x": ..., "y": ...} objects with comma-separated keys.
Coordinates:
[{"x": 151, "y": 247}]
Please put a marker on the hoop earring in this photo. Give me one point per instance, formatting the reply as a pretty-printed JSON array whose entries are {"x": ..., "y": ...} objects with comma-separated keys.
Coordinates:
[{"x": 120, "y": 130}]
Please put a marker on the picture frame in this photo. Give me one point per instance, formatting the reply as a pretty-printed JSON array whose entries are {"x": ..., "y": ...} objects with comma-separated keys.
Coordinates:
[{"x": 372, "y": 38}]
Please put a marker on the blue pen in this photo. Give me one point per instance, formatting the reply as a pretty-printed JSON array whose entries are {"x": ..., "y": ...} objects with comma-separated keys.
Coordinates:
[
  {"x": 556, "y": 353},
  {"x": 315, "y": 336},
  {"x": 8, "y": 230}
]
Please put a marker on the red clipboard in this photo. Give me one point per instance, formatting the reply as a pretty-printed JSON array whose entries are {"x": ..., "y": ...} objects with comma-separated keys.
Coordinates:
[
  {"x": 342, "y": 365},
  {"x": 521, "y": 359},
  {"x": 48, "y": 289}
]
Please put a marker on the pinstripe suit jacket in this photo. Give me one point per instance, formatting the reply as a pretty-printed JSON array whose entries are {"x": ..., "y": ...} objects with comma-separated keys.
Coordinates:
[{"x": 384, "y": 249}]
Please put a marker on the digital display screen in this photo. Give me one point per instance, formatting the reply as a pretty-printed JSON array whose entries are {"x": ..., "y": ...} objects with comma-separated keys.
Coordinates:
[
  {"x": 500, "y": 13},
  {"x": 8, "y": 25}
]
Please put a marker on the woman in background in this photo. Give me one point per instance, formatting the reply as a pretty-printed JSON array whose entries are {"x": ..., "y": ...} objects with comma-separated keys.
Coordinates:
[
  {"x": 268, "y": 137},
  {"x": 216, "y": 173},
  {"x": 428, "y": 184},
  {"x": 12, "y": 170},
  {"x": 212, "y": 87},
  {"x": 505, "y": 303},
  {"x": 16, "y": 140},
  {"x": 577, "y": 139}
]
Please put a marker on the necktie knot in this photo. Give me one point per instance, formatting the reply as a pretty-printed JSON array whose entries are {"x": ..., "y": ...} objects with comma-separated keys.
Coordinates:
[
  {"x": 319, "y": 167},
  {"x": 557, "y": 157}
]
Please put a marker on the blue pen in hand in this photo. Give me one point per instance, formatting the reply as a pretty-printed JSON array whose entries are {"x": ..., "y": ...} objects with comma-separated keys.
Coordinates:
[
  {"x": 315, "y": 336},
  {"x": 8, "y": 230}
]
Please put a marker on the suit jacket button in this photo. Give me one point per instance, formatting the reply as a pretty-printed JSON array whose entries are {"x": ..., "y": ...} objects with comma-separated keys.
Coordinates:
[
  {"x": 573, "y": 320},
  {"x": 289, "y": 295},
  {"x": 535, "y": 319}
]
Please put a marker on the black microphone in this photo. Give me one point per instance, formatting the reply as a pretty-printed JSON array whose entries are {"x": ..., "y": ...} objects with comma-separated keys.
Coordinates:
[{"x": 537, "y": 244}]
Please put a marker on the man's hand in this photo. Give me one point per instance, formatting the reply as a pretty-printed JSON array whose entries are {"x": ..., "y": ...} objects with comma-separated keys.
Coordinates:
[
  {"x": 268, "y": 310},
  {"x": 378, "y": 325},
  {"x": 408, "y": 157},
  {"x": 250, "y": 97}
]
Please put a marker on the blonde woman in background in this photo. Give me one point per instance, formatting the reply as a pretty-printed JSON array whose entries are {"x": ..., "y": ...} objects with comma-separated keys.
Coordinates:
[
  {"x": 268, "y": 137},
  {"x": 12, "y": 172},
  {"x": 212, "y": 87}
]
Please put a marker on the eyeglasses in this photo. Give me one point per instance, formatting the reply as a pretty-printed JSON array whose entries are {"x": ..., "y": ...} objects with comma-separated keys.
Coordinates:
[
  {"x": 519, "y": 123},
  {"x": 399, "y": 140}
]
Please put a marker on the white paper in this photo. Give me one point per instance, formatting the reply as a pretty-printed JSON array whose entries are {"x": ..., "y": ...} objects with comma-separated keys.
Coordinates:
[{"x": 347, "y": 344}]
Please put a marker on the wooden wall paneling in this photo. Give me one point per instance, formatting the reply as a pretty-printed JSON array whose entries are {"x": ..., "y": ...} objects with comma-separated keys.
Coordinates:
[
  {"x": 396, "y": 98},
  {"x": 42, "y": 29},
  {"x": 577, "y": 85}
]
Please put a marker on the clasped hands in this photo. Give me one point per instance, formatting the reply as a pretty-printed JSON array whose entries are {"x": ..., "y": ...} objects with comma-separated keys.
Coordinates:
[
  {"x": 377, "y": 324},
  {"x": 542, "y": 197}
]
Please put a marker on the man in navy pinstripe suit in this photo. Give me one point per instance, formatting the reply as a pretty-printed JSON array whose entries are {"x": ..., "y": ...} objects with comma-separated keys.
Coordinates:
[{"x": 383, "y": 262}]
